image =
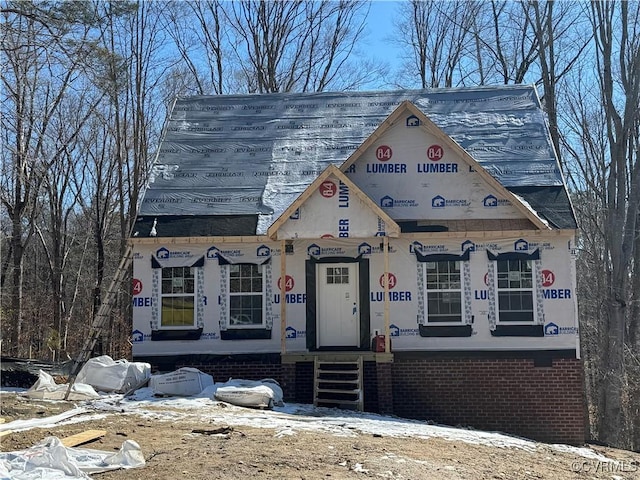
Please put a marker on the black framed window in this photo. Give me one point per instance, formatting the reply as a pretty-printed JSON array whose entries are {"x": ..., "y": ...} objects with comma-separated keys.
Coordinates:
[
  {"x": 443, "y": 292},
  {"x": 246, "y": 295},
  {"x": 178, "y": 297},
  {"x": 515, "y": 282}
]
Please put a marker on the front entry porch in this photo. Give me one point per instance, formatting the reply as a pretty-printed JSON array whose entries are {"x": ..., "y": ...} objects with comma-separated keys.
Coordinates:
[{"x": 338, "y": 378}]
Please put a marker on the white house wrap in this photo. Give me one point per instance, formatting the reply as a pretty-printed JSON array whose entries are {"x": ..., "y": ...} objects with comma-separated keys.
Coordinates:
[{"x": 394, "y": 226}]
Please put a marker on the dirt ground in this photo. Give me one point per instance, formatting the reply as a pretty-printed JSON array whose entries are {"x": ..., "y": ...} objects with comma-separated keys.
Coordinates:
[{"x": 172, "y": 450}]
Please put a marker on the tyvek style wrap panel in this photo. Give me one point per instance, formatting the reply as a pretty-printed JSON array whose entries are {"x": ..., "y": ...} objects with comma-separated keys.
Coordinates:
[
  {"x": 333, "y": 211},
  {"x": 264, "y": 150},
  {"x": 557, "y": 293},
  {"x": 412, "y": 175}
]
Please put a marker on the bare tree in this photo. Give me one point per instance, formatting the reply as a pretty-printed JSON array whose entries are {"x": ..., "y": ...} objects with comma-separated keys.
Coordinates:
[
  {"x": 62, "y": 195},
  {"x": 470, "y": 43},
  {"x": 298, "y": 45},
  {"x": 605, "y": 146},
  {"x": 132, "y": 38},
  {"x": 585, "y": 144},
  {"x": 561, "y": 42},
  {"x": 224, "y": 47},
  {"x": 202, "y": 50},
  {"x": 52, "y": 58},
  {"x": 43, "y": 47},
  {"x": 513, "y": 47},
  {"x": 617, "y": 41},
  {"x": 99, "y": 202},
  {"x": 437, "y": 34}
]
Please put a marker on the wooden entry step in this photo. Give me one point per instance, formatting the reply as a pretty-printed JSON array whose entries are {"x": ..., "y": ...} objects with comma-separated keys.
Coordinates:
[{"x": 338, "y": 383}]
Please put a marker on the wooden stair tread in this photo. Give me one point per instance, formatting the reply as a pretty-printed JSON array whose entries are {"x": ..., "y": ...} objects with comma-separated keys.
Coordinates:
[
  {"x": 339, "y": 372},
  {"x": 337, "y": 362},
  {"x": 337, "y": 390},
  {"x": 333, "y": 380},
  {"x": 336, "y": 401}
]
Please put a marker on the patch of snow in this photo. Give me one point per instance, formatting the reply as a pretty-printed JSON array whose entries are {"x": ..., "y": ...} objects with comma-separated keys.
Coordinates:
[
  {"x": 580, "y": 451},
  {"x": 294, "y": 417},
  {"x": 305, "y": 417},
  {"x": 359, "y": 468},
  {"x": 21, "y": 425},
  {"x": 83, "y": 418}
]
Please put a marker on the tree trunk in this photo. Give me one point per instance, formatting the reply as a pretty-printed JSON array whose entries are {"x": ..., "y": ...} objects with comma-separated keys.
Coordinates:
[
  {"x": 634, "y": 346},
  {"x": 612, "y": 419},
  {"x": 16, "y": 293}
]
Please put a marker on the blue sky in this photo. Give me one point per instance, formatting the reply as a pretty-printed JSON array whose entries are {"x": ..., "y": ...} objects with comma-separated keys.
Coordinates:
[
  {"x": 381, "y": 18},
  {"x": 380, "y": 31}
]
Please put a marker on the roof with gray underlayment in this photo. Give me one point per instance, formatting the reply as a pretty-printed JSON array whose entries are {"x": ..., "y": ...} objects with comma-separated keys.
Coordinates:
[{"x": 247, "y": 155}]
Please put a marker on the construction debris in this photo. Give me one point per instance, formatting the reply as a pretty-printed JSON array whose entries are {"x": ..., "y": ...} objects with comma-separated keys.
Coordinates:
[
  {"x": 183, "y": 382},
  {"x": 83, "y": 437},
  {"x": 50, "y": 459},
  {"x": 249, "y": 393},
  {"x": 46, "y": 388},
  {"x": 108, "y": 375}
]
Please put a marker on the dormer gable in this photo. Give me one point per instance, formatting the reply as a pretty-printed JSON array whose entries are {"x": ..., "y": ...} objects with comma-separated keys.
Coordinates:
[{"x": 333, "y": 207}]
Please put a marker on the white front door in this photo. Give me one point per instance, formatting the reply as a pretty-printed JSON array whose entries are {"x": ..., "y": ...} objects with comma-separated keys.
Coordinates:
[{"x": 338, "y": 308}]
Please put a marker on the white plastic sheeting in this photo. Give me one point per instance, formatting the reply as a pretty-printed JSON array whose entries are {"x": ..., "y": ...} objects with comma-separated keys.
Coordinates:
[
  {"x": 51, "y": 460},
  {"x": 188, "y": 381},
  {"x": 183, "y": 382},
  {"x": 107, "y": 375},
  {"x": 46, "y": 388},
  {"x": 250, "y": 393},
  {"x": 249, "y": 154},
  {"x": 19, "y": 425}
]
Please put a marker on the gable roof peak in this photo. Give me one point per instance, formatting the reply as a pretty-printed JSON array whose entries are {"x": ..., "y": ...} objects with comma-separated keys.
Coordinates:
[{"x": 418, "y": 119}]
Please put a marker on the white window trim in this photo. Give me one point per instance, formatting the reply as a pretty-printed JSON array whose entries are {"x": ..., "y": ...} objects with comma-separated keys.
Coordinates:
[
  {"x": 262, "y": 325},
  {"x": 533, "y": 290},
  {"x": 463, "y": 299},
  {"x": 194, "y": 295}
]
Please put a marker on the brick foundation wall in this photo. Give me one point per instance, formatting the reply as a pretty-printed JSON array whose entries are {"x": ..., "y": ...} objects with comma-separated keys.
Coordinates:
[
  {"x": 303, "y": 391},
  {"x": 384, "y": 377},
  {"x": 514, "y": 395},
  {"x": 542, "y": 400},
  {"x": 370, "y": 386}
]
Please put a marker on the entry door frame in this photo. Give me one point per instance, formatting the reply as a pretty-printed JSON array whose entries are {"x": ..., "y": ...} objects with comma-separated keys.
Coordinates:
[{"x": 363, "y": 298}]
